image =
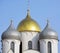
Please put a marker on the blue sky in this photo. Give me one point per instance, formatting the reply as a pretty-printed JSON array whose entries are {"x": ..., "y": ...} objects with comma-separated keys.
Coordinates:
[{"x": 40, "y": 10}]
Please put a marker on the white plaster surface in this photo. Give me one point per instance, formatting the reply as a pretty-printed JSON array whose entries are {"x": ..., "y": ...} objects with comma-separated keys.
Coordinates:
[
  {"x": 44, "y": 45},
  {"x": 31, "y": 51},
  {"x": 29, "y": 36},
  {"x": 6, "y": 45}
]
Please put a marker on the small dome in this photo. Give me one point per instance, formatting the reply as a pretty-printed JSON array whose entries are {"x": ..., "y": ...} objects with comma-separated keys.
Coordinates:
[
  {"x": 28, "y": 24},
  {"x": 48, "y": 33},
  {"x": 11, "y": 33}
]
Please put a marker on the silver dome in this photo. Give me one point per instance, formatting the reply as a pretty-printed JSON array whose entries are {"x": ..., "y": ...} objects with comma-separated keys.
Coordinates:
[
  {"x": 48, "y": 33},
  {"x": 11, "y": 33}
]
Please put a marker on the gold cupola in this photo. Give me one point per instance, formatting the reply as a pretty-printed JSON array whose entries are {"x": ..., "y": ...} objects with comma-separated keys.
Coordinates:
[{"x": 28, "y": 24}]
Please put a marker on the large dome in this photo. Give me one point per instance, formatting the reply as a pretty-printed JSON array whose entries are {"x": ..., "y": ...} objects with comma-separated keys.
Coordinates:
[{"x": 28, "y": 24}]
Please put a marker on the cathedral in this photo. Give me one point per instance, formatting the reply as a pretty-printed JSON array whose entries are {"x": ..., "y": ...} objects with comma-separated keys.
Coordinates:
[{"x": 28, "y": 38}]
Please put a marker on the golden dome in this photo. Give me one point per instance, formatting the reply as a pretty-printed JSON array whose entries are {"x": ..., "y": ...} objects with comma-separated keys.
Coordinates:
[{"x": 28, "y": 24}]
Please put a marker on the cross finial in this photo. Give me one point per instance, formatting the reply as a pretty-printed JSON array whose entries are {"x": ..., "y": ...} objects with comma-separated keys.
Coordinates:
[
  {"x": 11, "y": 24},
  {"x": 28, "y": 10},
  {"x": 11, "y": 21},
  {"x": 28, "y": 4},
  {"x": 47, "y": 22}
]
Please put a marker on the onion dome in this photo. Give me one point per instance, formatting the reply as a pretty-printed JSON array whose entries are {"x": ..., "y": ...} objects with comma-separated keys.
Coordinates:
[
  {"x": 11, "y": 33},
  {"x": 48, "y": 33},
  {"x": 28, "y": 24}
]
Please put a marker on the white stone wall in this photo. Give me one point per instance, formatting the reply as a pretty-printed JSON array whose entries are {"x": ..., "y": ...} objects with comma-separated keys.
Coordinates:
[
  {"x": 44, "y": 45},
  {"x": 31, "y": 51},
  {"x": 6, "y": 45},
  {"x": 29, "y": 36}
]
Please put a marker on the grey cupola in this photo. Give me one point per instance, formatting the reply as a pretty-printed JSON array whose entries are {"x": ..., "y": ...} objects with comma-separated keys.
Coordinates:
[
  {"x": 11, "y": 33},
  {"x": 48, "y": 33}
]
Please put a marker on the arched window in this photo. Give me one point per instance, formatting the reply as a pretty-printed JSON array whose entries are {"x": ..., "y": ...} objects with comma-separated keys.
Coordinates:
[
  {"x": 38, "y": 46},
  {"x": 49, "y": 47},
  {"x": 12, "y": 46},
  {"x": 30, "y": 45},
  {"x": 20, "y": 51}
]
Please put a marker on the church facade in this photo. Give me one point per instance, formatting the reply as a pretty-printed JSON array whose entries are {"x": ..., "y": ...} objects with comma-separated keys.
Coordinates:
[{"x": 28, "y": 38}]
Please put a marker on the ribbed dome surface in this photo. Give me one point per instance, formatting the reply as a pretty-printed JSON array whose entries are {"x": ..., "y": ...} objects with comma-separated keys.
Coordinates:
[
  {"x": 11, "y": 33},
  {"x": 28, "y": 24}
]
